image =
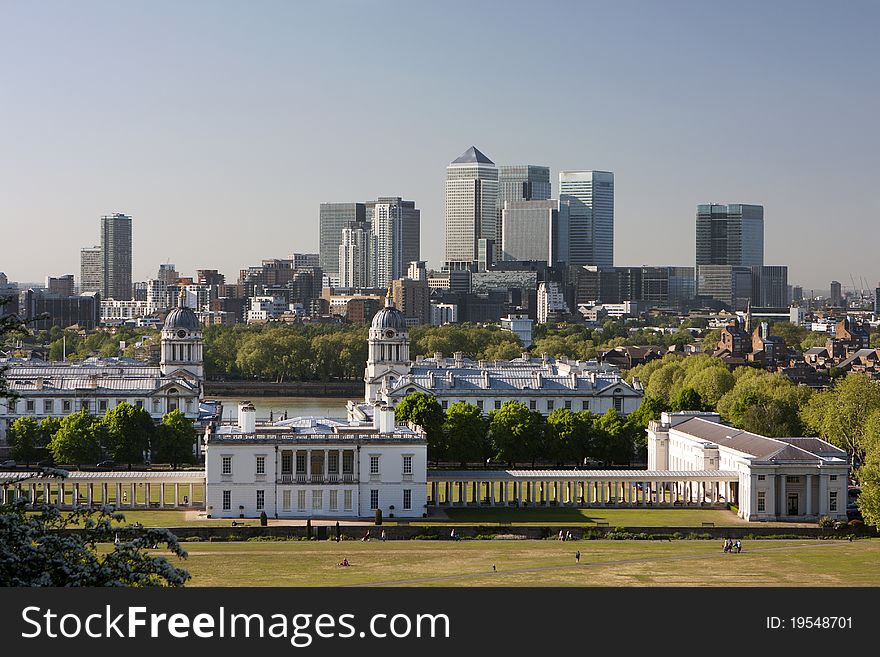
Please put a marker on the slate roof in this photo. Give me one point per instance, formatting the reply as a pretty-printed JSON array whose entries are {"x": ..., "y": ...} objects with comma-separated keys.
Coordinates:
[
  {"x": 472, "y": 156},
  {"x": 579, "y": 475},
  {"x": 508, "y": 379},
  {"x": 112, "y": 377}
]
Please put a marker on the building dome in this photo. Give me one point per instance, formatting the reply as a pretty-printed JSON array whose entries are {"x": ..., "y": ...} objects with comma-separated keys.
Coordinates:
[
  {"x": 389, "y": 318},
  {"x": 182, "y": 318}
]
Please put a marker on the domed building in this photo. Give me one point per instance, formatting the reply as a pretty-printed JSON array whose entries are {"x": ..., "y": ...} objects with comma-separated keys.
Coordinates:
[
  {"x": 57, "y": 389},
  {"x": 388, "y": 351}
]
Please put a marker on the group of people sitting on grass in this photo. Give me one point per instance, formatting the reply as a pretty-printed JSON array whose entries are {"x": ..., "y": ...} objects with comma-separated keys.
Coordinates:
[
  {"x": 732, "y": 546},
  {"x": 344, "y": 562}
]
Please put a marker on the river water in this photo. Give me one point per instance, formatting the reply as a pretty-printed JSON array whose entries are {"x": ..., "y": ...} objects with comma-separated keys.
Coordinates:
[{"x": 295, "y": 406}]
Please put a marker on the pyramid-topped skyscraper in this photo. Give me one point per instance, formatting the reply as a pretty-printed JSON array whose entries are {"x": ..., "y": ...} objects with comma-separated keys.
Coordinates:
[{"x": 471, "y": 192}]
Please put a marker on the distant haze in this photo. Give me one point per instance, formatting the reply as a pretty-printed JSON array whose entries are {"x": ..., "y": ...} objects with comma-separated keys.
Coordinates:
[{"x": 221, "y": 126}]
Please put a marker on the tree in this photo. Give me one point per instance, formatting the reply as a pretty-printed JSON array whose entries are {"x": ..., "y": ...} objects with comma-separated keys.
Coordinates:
[
  {"x": 424, "y": 410},
  {"x": 567, "y": 435},
  {"x": 174, "y": 439},
  {"x": 711, "y": 384},
  {"x": 26, "y": 439},
  {"x": 38, "y": 552},
  {"x": 687, "y": 400},
  {"x": 614, "y": 444},
  {"x": 49, "y": 427},
  {"x": 465, "y": 431},
  {"x": 516, "y": 433},
  {"x": 78, "y": 439},
  {"x": 129, "y": 429},
  {"x": 839, "y": 415}
]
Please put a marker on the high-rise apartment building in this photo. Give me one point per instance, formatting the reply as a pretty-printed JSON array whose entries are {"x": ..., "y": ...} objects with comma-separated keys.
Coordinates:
[
  {"x": 334, "y": 217},
  {"x": 116, "y": 251},
  {"x": 471, "y": 199},
  {"x": 730, "y": 235},
  {"x": 61, "y": 285},
  {"x": 591, "y": 216},
  {"x": 535, "y": 231},
  {"x": 520, "y": 183},
  {"x": 413, "y": 299},
  {"x": 305, "y": 260},
  {"x": 836, "y": 295},
  {"x": 770, "y": 286},
  {"x": 395, "y": 223},
  {"x": 356, "y": 256},
  {"x": 91, "y": 270}
]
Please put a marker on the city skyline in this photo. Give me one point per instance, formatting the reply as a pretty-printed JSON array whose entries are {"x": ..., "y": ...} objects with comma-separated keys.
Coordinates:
[{"x": 206, "y": 148}]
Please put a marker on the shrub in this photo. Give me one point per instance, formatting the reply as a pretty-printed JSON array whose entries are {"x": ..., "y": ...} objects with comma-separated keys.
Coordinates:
[
  {"x": 192, "y": 539},
  {"x": 825, "y": 522},
  {"x": 855, "y": 522},
  {"x": 840, "y": 524},
  {"x": 378, "y": 516}
]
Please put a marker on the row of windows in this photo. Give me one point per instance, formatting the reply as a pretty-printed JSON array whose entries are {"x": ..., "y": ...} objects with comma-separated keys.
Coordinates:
[
  {"x": 762, "y": 501},
  {"x": 67, "y": 405},
  {"x": 317, "y": 500},
  {"x": 550, "y": 404},
  {"x": 226, "y": 464}
]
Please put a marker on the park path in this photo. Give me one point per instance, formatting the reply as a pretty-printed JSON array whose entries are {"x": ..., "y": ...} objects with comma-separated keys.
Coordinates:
[{"x": 594, "y": 564}]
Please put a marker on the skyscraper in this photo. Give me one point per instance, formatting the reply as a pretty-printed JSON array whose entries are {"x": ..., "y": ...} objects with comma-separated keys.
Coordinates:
[
  {"x": 471, "y": 197},
  {"x": 116, "y": 249},
  {"x": 91, "y": 270},
  {"x": 730, "y": 235},
  {"x": 535, "y": 231},
  {"x": 356, "y": 256},
  {"x": 395, "y": 225},
  {"x": 836, "y": 295},
  {"x": 333, "y": 218},
  {"x": 520, "y": 183},
  {"x": 591, "y": 216}
]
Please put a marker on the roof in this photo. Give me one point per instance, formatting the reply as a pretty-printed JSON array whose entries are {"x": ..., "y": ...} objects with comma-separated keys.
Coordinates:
[
  {"x": 580, "y": 475},
  {"x": 815, "y": 446},
  {"x": 314, "y": 428},
  {"x": 472, "y": 156},
  {"x": 182, "y": 317},
  {"x": 389, "y": 317},
  {"x": 508, "y": 379}
]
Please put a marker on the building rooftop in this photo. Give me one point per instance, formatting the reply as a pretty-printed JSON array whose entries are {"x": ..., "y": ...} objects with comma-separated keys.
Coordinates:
[{"x": 472, "y": 156}]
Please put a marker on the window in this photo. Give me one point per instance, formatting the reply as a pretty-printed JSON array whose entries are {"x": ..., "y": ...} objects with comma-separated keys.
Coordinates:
[
  {"x": 348, "y": 462},
  {"x": 407, "y": 465},
  {"x": 761, "y": 477},
  {"x": 48, "y": 406},
  {"x": 300, "y": 462},
  {"x": 480, "y": 404},
  {"x": 374, "y": 499},
  {"x": 407, "y": 498},
  {"x": 29, "y": 406},
  {"x": 585, "y": 405},
  {"x": 301, "y": 500},
  {"x": 285, "y": 500},
  {"x": 65, "y": 405},
  {"x": 227, "y": 500},
  {"x": 618, "y": 404},
  {"x": 533, "y": 404},
  {"x": 762, "y": 501},
  {"x": 261, "y": 465},
  {"x": 333, "y": 462},
  {"x": 286, "y": 462},
  {"x": 568, "y": 404},
  {"x": 83, "y": 405},
  {"x": 497, "y": 404},
  {"x": 317, "y": 500},
  {"x": 334, "y": 500},
  {"x": 139, "y": 403},
  {"x": 792, "y": 480},
  {"x": 346, "y": 500},
  {"x": 102, "y": 405},
  {"x": 227, "y": 465},
  {"x": 444, "y": 404},
  {"x": 833, "y": 477},
  {"x": 374, "y": 465},
  {"x": 261, "y": 500},
  {"x": 832, "y": 501},
  {"x": 155, "y": 405}
]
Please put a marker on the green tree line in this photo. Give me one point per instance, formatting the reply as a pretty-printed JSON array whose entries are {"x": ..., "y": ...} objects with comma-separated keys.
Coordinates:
[{"x": 124, "y": 433}]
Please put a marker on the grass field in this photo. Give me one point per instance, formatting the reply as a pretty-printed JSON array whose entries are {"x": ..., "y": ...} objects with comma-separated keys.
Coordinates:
[{"x": 535, "y": 563}]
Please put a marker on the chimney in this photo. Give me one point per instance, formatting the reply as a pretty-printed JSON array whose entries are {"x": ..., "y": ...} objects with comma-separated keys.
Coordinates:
[
  {"x": 438, "y": 356},
  {"x": 383, "y": 418},
  {"x": 458, "y": 356},
  {"x": 247, "y": 417}
]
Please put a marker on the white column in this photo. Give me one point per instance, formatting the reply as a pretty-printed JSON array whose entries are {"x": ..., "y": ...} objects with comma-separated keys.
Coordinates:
[
  {"x": 327, "y": 465},
  {"x": 783, "y": 503},
  {"x": 191, "y": 495},
  {"x": 308, "y": 465},
  {"x": 162, "y": 495},
  {"x": 823, "y": 494},
  {"x": 809, "y": 509},
  {"x": 176, "y": 495}
]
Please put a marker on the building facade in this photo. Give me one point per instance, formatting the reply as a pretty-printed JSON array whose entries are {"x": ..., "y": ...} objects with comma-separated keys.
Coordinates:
[
  {"x": 520, "y": 183},
  {"x": 730, "y": 234},
  {"x": 91, "y": 270},
  {"x": 116, "y": 252},
  {"x": 777, "y": 479},
  {"x": 396, "y": 235},
  {"x": 315, "y": 467},
  {"x": 333, "y": 218},
  {"x": 535, "y": 231}
]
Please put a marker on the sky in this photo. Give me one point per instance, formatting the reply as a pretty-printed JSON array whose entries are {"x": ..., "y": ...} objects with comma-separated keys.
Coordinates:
[{"x": 221, "y": 126}]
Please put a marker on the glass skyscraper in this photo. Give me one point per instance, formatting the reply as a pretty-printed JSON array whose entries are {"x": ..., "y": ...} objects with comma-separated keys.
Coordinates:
[
  {"x": 591, "y": 216},
  {"x": 730, "y": 235},
  {"x": 471, "y": 203},
  {"x": 334, "y": 217},
  {"x": 525, "y": 182},
  {"x": 116, "y": 252},
  {"x": 535, "y": 231}
]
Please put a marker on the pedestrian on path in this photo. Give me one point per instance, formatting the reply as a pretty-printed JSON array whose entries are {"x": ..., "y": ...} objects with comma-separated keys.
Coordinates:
[{"x": 577, "y": 556}]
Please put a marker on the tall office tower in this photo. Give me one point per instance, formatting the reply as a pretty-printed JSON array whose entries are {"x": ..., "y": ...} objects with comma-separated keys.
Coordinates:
[
  {"x": 334, "y": 217},
  {"x": 520, "y": 183},
  {"x": 116, "y": 247},
  {"x": 471, "y": 196},
  {"x": 535, "y": 231},
  {"x": 730, "y": 235},
  {"x": 167, "y": 273},
  {"x": 836, "y": 295},
  {"x": 395, "y": 224},
  {"x": 729, "y": 284},
  {"x": 61, "y": 285},
  {"x": 417, "y": 270},
  {"x": 797, "y": 293},
  {"x": 91, "y": 270},
  {"x": 877, "y": 302},
  {"x": 770, "y": 286},
  {"x": 591, "y": 216},
  {"x": 355, "y": 262}
]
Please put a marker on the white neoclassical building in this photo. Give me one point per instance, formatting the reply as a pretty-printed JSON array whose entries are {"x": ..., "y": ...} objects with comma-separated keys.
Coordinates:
[
  {"x": 543, "y": 384},
  {"x": 315, "y": 467},
  {"x": 793, "y": 479},
  {"x": 51, "y": 389}
]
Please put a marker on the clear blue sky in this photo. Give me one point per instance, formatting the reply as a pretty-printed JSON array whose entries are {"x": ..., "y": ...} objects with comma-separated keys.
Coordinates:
[{"x": 220, "y": 126}]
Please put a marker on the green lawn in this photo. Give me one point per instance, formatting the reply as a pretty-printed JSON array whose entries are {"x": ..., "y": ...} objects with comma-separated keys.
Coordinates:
[{"x": 535, "y": 563}]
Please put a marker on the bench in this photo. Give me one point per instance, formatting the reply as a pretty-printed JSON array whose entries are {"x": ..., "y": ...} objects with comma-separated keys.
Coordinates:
[
  {"x": 601, "y": 524},
  {"x": 708, "y": 524}
]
